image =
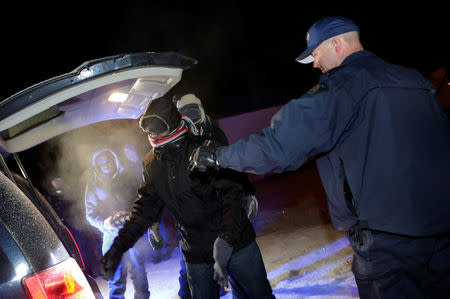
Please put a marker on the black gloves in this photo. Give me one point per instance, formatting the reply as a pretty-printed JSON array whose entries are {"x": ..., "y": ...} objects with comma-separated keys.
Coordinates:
[
  {"x": 156, "y": 240},
  {"x": 221, "y": 253},
  {"x": 203, "y": 157},
  {"x": 110, "y": 262}
]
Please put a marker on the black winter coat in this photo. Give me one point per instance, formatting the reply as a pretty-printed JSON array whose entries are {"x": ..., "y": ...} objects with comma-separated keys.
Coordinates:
[{"x": 204, "y": 205}]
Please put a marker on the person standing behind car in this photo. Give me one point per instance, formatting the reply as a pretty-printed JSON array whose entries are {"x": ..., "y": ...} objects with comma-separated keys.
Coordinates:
[
  {"x": 191, "y": 106},
  {"x": 216, "y": 235},
  {"x": 108, "y": 199},
  {"x": 387, "y": 143}
]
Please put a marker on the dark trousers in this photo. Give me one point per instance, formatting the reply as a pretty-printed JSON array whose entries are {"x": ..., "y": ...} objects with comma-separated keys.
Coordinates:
[
  {"x": 248, "y": 277},
  {"x": 393, "y": 266},
  {"x": 183, "y": 292},
  {"x": 133, "y": 261}
]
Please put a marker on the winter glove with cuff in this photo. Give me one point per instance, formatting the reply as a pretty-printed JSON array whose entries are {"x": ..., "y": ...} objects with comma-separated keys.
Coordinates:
[
  {"x": 155, "y": 238},
  {"x": 203, "y": 157},
  {"x": 251, "y": 206},
  {"x": 110, "y": 262},
  {"x": 222, "y": 253}
]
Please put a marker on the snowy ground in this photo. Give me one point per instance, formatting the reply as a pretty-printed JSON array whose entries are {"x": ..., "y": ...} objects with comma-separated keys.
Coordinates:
[{"x": 304, "y": 256}]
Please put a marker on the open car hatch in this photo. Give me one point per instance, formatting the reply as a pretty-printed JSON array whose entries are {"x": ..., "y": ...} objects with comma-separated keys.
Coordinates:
[{"x": 108, "y": 88}]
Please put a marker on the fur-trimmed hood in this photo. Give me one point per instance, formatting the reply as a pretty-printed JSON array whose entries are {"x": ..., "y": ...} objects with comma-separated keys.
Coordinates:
[{"x": 98, "y": 173}]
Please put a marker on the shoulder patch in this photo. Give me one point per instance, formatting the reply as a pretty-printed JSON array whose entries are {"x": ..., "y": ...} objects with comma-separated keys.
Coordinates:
[{"x": 315, "y": 88}]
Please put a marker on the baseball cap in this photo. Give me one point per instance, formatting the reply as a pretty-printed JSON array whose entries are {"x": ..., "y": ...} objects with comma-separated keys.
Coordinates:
[{"x": 322, "y": 30}]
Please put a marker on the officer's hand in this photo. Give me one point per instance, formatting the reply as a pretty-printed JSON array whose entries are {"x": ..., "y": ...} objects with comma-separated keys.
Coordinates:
[
  {"x": 110, "y": 262},
  {"x": 221, "y": 253},
  {"x": 203, "y": 157}
]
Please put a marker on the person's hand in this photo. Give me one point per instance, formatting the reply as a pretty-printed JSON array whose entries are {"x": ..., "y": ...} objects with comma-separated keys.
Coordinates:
[
  {"x": 251, "y": 206},
  {"x": 221, "y": 253},
  {"x": 203, "y": 157},
  {"x": 107, "y": 224},
  {"x": 110, "y": 262},
  {"x": 119, "y": 219},
  {"x": 156, "y": 240}
]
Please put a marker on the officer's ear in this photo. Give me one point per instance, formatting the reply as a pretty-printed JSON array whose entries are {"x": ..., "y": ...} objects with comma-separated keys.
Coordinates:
[{"x": 337, "y": 45}]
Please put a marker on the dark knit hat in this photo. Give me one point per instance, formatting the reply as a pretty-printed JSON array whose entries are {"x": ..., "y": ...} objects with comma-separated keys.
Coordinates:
[{"x": 161, "y": 115}]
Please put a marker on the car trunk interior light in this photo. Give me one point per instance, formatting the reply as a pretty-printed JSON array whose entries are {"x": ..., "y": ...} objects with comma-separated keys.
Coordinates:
[
  {"x": 118, "y": 97},
  {"x": 64, "y": 280}
]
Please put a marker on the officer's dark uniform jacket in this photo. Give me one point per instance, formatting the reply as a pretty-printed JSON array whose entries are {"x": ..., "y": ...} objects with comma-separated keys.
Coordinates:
[
  {"x": 202, "y": 212},
  {"x": 388, "y": 138},
  {"x": 333, "y": 180}
]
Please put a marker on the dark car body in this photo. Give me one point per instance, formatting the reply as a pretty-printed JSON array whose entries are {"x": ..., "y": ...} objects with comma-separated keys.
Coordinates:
[{"x": 35, "y": 245}]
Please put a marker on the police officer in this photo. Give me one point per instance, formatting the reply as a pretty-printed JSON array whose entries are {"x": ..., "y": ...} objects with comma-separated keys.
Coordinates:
[{"x": 385, "y": 145}]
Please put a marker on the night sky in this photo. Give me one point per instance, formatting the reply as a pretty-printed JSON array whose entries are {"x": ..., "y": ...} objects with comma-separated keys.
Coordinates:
[{"x": 246, "y": 52}]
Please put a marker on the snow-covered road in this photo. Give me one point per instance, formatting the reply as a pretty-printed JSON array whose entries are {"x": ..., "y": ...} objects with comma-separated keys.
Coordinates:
[{"x": 304, "y": 256}]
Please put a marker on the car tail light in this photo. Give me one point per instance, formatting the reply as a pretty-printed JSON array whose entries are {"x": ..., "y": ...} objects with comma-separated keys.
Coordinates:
[{"x": 64, "y": 280}]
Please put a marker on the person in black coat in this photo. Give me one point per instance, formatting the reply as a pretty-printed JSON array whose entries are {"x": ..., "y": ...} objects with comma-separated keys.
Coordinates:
[{"x": 217, "y": 237}]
